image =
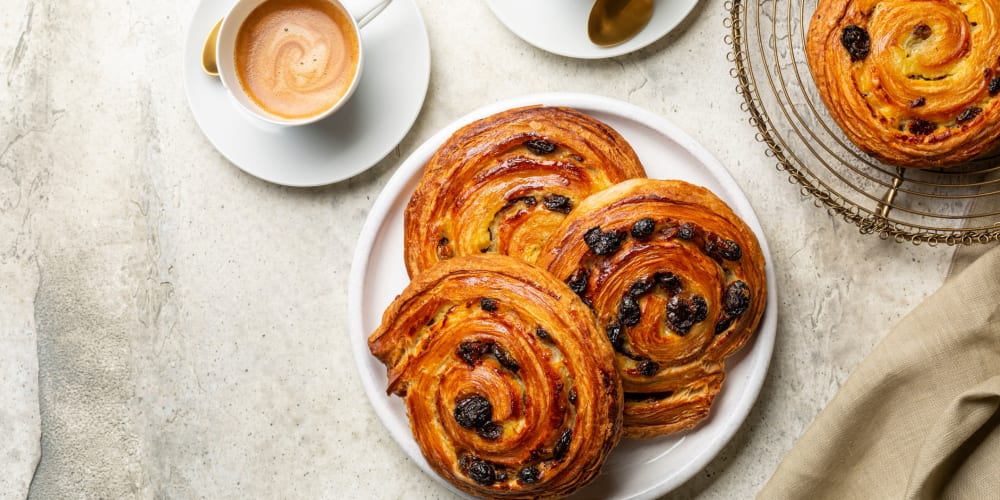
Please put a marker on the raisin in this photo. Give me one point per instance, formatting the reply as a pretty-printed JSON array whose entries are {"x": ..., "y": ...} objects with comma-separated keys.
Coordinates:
[
  {"x": 629, "y": 312},
  {"x": 922, "y": 31},
  {"x": 855, "y": 39},
  {"x": 505, "y": 359},
  {"x": 721, "y": 248},
  {"x": 445, "y": 252},
  {"x": 669, "y": 282},
  {"x": 542, "y": 334},
  {"x": 473, "y": 351},
  {"x": 571, "y": 396},
  {"x": 490, "y": 431},
  {"x": 473, "y": 411},
  {"x": 562, "y": 445},
  {"x": 683, "y": 314},
  {"x": 922, "y": 127},
  {"x": 578, "y": 281},
  {"x": 679, "y": 315},
  {"x": 482, "y": 472},
  {"x": 687, "y": 231},
  {"x": 968, "y": 114},
  {"x": 529, "y": 475},
  {"x": 557, "y": 203},
  {"x": 603, "y": 243},
  {"x": 699, "y": 309},
  {"x": 648, "y": 367},
  {"x": 916, "y": 103},
  {"x": 723, "y": 324},
  {"x": 615, "y": 331},
  {"x": 641, "y": 287},
  {"x": 488, "y": 305},
  {"x": 643, "y": 228},
  {"x": 736, "y": 299},
  {"x": 994, "y": 86},
  {"x": 540, "y": 147},
  {"x": 528, "y": 200}
]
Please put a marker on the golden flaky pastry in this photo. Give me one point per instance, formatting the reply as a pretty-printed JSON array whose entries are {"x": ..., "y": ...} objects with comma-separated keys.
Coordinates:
[
  {"x": 510, "y": 387},
  {"x": 913, "y": 83},
  {"x": 502, "y": 183},
  {"x": 677, "y": 281}
]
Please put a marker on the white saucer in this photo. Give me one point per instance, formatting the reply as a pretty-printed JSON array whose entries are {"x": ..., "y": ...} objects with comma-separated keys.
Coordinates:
[
  {"x": 560, "y": 26},
  {"x": 637, "y": 468},
  {"x": 381, "y": 111}
]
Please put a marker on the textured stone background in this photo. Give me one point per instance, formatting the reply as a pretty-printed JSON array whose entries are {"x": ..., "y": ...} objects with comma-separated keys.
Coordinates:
[{"x": 172, "y": 327}]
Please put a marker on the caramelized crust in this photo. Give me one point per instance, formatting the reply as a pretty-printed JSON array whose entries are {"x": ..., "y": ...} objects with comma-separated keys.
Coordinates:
[
  {"x": 676, "y": 280},
  {"x": 510, "y": 387},
  {"x": 913, "y": 83},
  {"x": 503, "y": 183}
]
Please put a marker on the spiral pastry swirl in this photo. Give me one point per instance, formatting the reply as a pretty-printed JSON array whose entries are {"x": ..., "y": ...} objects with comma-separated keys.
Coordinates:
[
  {"x": 677, "y": 281},
  {"x": 913, "y": 83},
  {"x": 503, "y": 183},
  {"x": 510, "y": 387}
]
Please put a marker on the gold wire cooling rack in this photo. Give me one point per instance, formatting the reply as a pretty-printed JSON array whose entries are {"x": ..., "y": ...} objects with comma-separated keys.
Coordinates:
[{"x": 955, "y": 206}]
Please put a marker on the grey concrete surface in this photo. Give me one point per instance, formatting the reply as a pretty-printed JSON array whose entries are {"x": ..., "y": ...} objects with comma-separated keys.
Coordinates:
[{"x": 189, "y": 322}]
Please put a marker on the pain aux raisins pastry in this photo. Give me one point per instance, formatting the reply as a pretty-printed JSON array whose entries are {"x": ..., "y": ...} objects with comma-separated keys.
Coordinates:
[
  {"x": 503, "y": 183},
  {"x": 509, "y": 385},
  {"x": 914, "y": 84},
  {"x": 676, "y": 279}
]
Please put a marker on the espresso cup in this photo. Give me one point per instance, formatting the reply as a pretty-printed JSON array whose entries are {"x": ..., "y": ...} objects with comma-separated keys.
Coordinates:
[{"x": 293, "y": 62}]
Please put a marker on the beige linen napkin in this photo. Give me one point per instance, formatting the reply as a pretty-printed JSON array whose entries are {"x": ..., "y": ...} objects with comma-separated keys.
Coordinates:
[{"x": 920, "y": 417}]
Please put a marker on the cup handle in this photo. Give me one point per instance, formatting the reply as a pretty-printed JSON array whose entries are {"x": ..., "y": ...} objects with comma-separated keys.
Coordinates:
[{"x": 364, "y": 11}]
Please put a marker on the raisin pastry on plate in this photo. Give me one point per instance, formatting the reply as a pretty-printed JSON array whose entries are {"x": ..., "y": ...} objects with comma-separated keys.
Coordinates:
[
  {"x": 503, "y": 183},
  {"x": 676, "y": 280},
  {"x": 510, "y": 387}
]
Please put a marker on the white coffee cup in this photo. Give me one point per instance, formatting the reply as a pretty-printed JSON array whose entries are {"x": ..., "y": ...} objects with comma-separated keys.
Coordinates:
[{"x": 288, "y": 95}]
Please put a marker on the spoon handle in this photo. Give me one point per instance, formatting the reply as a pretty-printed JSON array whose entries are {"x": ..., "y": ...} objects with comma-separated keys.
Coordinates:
[{"x": 364, "y": 12}]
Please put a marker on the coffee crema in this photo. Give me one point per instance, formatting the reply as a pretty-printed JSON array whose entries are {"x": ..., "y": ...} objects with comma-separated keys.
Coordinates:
[{"x": 296, "y": 58}]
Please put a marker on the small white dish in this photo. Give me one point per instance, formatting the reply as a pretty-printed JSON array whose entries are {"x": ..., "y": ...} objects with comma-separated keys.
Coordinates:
[
  {"x": 560, "y": 26},
  {"x": 636, "y": 468},
  {"x": 379, "y": 114}
]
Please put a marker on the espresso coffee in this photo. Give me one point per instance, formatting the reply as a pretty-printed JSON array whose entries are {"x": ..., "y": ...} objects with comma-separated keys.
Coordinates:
[{"x": 296, "y": 58}]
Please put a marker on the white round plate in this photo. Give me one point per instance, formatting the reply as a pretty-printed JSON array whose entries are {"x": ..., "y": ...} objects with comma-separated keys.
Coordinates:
[
  {"x": 383, "y": 108},
  {"x": 560, "y": 26},
  {"x": 636, "y": 468}
]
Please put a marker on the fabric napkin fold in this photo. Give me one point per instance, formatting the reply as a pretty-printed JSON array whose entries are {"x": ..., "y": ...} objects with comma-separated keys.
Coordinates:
[{"x": 920, "y": 416}]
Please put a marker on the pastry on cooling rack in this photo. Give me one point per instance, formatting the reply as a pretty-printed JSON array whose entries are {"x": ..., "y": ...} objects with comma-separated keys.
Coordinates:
[
  {"x": 913, "y": 83},
  {"x": 510, "y": 387},
  {"x": 676, "y": 280},
  {"x": 502, "y": 183}
]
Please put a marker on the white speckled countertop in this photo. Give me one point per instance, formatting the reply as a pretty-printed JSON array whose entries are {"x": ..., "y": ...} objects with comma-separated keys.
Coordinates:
[{"x": 172, "y": 327}]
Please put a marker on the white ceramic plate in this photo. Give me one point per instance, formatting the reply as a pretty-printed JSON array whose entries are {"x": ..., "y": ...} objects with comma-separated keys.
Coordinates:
[
  {"x": 383, "y": 108},
  {"x": 560, "y": 26},
  {"x": 636, "y": 468}
]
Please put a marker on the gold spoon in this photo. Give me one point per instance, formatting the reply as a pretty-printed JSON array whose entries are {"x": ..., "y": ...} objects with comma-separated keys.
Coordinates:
[
  {"x": 208, "y": 62},
  {"x": 612, "y": 22}
]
